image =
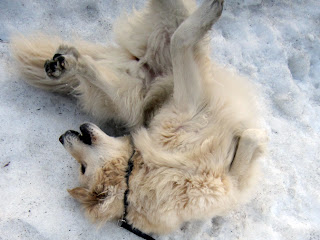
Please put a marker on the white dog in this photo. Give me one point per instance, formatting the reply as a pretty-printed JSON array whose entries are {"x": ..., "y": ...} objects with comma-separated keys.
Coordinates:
[{"x": 194, "y": 132}]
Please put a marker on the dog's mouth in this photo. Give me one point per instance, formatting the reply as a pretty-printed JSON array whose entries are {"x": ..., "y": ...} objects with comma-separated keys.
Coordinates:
[{"x": 85, "y": 136}]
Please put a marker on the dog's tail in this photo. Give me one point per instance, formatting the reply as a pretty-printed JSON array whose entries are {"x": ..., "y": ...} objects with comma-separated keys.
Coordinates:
[{"x": 30, "y": 55}]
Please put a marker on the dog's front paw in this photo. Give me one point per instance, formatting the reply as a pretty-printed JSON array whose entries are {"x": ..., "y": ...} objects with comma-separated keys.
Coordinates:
[
  {"x": 55, "y": 67},
  {"x": 63, "y": 61}
]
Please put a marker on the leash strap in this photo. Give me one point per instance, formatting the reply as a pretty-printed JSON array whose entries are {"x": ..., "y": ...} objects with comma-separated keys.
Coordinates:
[
  {"x": 124, "y": 223},
  {"x": 135, "y": 231}
]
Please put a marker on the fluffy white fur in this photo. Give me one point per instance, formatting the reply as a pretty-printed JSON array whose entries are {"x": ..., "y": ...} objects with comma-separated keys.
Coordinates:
[{"x": 193, "y": 124}]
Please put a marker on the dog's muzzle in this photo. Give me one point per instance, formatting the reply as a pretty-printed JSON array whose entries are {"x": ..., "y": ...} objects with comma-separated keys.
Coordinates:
[{"x": 85, "y": 136}]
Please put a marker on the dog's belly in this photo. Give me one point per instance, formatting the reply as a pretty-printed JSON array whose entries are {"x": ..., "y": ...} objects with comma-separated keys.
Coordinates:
[{"x": 176, "y": 131}]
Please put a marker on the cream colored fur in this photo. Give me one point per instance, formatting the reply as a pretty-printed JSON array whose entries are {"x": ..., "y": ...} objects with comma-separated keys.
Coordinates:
[{"x": 193, "y": 124}]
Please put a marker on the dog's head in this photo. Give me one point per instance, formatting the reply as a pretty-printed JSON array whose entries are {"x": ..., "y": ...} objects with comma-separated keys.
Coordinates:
[{"x": 103, "y": 162}]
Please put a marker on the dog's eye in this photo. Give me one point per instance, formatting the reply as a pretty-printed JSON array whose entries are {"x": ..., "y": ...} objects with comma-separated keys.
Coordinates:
[{"x": 83, "y": 168}]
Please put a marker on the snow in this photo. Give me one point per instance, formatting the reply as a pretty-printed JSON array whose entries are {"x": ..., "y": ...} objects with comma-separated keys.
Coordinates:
[{"x": 274, "y": 43}]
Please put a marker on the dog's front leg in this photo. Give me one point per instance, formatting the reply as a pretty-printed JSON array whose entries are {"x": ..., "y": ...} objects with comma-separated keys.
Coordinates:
[
  {"x": 68, "y": 61},
  {"x": 63, "y": 62}
]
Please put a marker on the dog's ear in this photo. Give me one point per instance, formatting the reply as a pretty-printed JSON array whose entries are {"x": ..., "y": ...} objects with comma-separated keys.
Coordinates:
[{"x": 83, "y": 195}]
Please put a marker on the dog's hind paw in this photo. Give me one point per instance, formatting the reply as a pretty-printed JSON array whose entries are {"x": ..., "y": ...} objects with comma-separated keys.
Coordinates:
[{"x": 55, "y": 67}]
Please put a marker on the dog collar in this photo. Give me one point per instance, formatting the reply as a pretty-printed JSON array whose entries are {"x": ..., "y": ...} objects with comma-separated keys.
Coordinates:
[{"x": 123, "y": 222}]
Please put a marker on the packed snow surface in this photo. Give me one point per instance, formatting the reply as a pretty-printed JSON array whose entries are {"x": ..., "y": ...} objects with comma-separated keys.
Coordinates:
[{"x": 276, "y": 44}]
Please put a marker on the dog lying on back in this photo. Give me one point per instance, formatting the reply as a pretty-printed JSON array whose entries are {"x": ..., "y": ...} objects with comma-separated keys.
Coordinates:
[{"x": 195, "y": 137}]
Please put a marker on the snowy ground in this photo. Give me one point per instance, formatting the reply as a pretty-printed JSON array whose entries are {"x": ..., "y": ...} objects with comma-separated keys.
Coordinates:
[{"x": 274, "y": 43}]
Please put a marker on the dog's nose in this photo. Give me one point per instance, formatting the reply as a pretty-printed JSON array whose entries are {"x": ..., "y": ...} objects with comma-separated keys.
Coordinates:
[{"x": 68, "y": 133}]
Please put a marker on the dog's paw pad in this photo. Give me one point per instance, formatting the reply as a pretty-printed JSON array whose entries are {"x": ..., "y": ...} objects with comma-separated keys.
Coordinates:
[{"x": 55, "y": 67}]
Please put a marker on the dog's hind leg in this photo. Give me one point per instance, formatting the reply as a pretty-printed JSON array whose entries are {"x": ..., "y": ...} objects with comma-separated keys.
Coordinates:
[
  {"x": 251, "y": 145},
  {"x": 189, "y": 86}
]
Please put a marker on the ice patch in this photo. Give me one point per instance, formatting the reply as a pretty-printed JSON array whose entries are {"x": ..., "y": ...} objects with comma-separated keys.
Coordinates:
[
  {"x": 290, "y": 104},
  {"x": 15, "y": 229},
  {"x": 299, "y": 65}
]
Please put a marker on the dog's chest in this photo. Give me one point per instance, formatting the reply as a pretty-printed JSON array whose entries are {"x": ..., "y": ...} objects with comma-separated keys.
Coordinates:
[{"x": 178, "y": 131}]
